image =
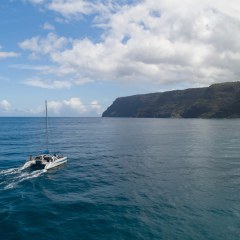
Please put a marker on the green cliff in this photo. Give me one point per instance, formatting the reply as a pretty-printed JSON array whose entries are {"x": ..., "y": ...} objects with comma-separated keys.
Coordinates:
[{"x": 217, "y": 101}]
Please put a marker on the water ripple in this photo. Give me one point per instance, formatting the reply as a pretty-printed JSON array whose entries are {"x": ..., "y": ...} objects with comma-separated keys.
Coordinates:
[{"x": 125, "y": 179}]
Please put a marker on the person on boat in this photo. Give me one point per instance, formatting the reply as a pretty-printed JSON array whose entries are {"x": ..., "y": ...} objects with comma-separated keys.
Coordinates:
[{"x": 54, "y": 157}]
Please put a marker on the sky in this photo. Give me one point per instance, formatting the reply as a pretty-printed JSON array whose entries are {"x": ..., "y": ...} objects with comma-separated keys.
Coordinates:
[{"x": 81, "y": 55}]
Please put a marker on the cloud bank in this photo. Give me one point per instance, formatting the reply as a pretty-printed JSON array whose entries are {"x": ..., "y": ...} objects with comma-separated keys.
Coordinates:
[
  {"x": 69, "y": 107},
  {"x": 155, "y": 42},
  {"x": 5, "y": 105},
  {"x": 8, "y": 54}
]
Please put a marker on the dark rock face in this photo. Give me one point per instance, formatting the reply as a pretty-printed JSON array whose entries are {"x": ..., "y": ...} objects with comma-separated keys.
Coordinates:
[{"x": 217, "y": 101}]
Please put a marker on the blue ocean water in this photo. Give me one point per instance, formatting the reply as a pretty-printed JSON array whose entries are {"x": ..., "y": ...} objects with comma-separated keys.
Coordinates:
[{"x": 125, "y": 179}]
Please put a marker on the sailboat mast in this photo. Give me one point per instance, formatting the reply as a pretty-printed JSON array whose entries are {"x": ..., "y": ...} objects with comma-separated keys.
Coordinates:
[{"x": 46, "y": 125}]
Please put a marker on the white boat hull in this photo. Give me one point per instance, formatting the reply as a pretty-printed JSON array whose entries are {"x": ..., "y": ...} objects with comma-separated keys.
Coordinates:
[
  {"x": 45, "y": 164},
  {"x": 56, "y": 163}
]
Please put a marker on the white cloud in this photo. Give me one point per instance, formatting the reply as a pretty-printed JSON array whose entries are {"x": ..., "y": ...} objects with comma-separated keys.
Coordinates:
[
  {"x": 42, "y": 68},
  {"x": 73, "y": 8},
  {"x": 8, "y": 54},
  {"x": 75, "y": 104},
  {"x": 158, "y": 42},
  {"x": 82, "y": 81},
  {"x": 48, "y": 26},
  {"x": 48, "y": 84},
  {"x": 33, "y": 111},
  {"x": 48, "y": 45},
  {"x": 5, "y": 105},
  {"x": 55, "y": 106},
  {"x": 69, "y": 107},
  {"x": 35, "y": 1},
  {"x": 97, "y": 107}
]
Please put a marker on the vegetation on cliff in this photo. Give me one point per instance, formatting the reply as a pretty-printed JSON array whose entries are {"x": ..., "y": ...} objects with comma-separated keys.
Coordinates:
[{"x": 217, "y": 101}]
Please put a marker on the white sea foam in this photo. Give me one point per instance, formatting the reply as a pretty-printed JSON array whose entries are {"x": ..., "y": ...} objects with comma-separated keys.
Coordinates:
[
  {"x": 11, "y": 171},
  {"x": 23, "y": 176}
]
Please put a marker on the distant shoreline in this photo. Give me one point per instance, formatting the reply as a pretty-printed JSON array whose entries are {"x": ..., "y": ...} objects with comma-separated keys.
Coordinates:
[{"x": 217, "y": 101}]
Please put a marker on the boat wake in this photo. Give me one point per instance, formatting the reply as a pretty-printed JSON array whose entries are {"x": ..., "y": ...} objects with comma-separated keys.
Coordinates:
[
  {"x": 10, "y": 178},
  {"x": 10, "y": 171}
]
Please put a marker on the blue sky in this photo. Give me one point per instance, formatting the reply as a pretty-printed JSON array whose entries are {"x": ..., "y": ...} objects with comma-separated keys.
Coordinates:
[{"x": 80, "y": 55}]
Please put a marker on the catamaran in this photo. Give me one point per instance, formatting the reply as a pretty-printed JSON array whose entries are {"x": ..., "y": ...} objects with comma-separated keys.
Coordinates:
[{"x": 45, "y": 160}]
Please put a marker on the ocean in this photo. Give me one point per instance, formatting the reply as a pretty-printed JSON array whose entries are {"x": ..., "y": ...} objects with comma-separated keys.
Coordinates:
[{"x": 125, "y": 179}]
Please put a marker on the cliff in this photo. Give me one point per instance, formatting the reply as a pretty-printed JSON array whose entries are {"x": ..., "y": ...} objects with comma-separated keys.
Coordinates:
[{"x": 216, "y": 101}]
